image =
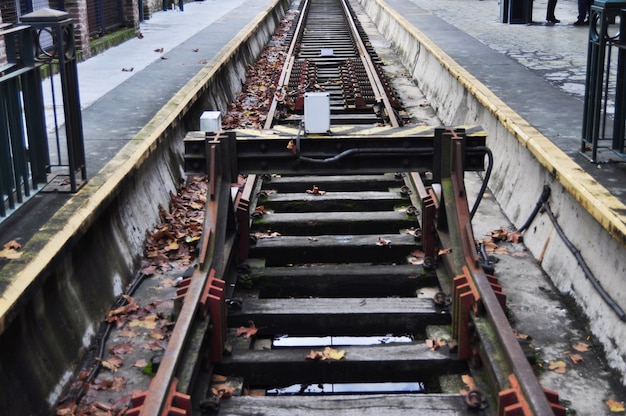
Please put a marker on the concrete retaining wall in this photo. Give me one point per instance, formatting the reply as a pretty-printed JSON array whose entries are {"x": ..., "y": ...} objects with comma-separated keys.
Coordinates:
[
  {"x": 525, "y": 161},
  {"x": 96, "y": 239}
]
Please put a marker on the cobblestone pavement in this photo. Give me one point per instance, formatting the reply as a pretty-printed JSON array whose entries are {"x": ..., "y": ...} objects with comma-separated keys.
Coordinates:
[{"x": 556, "y": 51}]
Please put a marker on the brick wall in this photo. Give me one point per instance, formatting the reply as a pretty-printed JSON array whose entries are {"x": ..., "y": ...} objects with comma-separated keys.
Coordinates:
[
  {"x": 130, "y": 11},
  {"x": 77, "y": 10},
  {"x": 151, "y": 6}
]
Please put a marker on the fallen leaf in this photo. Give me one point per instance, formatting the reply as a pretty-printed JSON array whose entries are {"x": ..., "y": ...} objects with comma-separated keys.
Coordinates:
[
  {"x": 141, "y": 363},
  {"x": 382, "y": 242},
  {"x": 315, "y": 191},
  {"x": 314, "y": 355},
  {"x": 435, "y": 344},
  {"x": 127, "y": 69},
  {"x": 10, "y": 254},
  {"x": 558, "y": 367},
  {"x": 124, "y": 348},
  {"x": 195, "y": 49},
  {"x": 248, "y": 331},
  {"x": 332, "y": 354},
  {"x": 444, "y": 251},
  {"x": 223, "y": 391},
  {"x": 292, "y": 146},
  {"x": 327, "y": 354},
  {"x": 500, "y": 234},
  {"x": 12, "y": 245},
  {"x": 468, "y": 381},
  {"x": 576, "y": 358},
  {"x": 144, "y": 323},
  {"x": 615, "y": 406},
  {"x": 112, "y": 363},
  {"x": 581, "y": 346},
  {"x": 158, "y": 50}
]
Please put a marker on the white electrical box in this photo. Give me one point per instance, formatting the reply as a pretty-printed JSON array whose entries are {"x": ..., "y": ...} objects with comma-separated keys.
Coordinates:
[
  {"x": 211, "y": 121},
  {"x": 316, "y": 112}
]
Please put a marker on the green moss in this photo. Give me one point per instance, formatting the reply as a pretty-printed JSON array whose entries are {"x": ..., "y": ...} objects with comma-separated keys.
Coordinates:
[{"x": 112, "y": 39}]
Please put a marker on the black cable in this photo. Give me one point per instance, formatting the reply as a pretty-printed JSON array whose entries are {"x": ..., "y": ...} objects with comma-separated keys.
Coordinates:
[
  {"x": 485, "y": 180},
  {"x": 581, "y": 262},
  {"x": 543, "y": 203},
  {"x": 545, "y": 194}
]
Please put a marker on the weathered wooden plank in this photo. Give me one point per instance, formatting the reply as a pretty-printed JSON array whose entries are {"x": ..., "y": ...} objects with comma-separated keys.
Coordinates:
[
  {"x": 333, "y": 249},
  {"x": 346, "y": 405},
  {"x": 333, "y": 201},
  {"x": 346, "y": 280},
  {"x": 339, "y": 316},
  {"x": 362, "y": 222},
  {"x": 380, "y": 363},
  {"x": 334, "y": 183}
]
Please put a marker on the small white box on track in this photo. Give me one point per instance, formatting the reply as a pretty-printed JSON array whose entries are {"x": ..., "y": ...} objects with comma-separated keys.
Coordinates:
[
  {"x": 316, "y": 112},
  {"x": 211, "y": 121}
]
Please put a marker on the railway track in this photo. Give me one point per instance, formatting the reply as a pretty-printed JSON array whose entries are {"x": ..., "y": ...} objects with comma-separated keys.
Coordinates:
[{"x": 327, "y": 282}]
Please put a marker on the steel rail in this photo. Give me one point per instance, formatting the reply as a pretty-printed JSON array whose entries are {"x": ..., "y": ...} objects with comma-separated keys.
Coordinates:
[
  {"x": 375, "y": 81},
  {"x": 464, "y": 254},
  {"x": 287, "y": 66},
  {"x": 360, "y": 50},
  {"x": 156, "y": 401}
]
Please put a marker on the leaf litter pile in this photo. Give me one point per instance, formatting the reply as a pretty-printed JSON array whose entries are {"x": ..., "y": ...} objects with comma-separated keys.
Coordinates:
[
  {"x": 249, "y": 110},
  {"x": 141, "y": 322}
]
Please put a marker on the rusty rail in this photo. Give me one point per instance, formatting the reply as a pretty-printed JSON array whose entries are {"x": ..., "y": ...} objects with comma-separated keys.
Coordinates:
[
  {"x": 477, "y": 300},
  {"x": 202, "y": 295}
]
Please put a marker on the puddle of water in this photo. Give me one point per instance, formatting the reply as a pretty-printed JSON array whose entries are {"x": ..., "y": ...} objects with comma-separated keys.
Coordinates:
[
  {"x": 287, "y": 341},
  {"x": 348, "y": 388}
]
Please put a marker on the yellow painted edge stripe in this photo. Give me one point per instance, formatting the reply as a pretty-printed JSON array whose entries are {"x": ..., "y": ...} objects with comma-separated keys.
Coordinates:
[
  {"x": 130, "y": 157},
  {"x": 594, "y": 197}
]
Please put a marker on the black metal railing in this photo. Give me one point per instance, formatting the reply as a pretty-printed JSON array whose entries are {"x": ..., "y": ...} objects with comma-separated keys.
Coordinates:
[
  {"x": 46, "y": 41},
  {"x": 604, "y": 117}
]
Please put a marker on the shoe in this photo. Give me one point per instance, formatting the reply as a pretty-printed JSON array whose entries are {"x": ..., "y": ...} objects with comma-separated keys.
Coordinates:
[
  {"x": 579, "y": 23},
  {"x": 554, "y": 20},
  {"x": 586, "y": 23}
]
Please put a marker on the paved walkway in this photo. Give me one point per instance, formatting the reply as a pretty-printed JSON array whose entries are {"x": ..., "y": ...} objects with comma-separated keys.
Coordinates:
[{"x": 537, "y": 69}]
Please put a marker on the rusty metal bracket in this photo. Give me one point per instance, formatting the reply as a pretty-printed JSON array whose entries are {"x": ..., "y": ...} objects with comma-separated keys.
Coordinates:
[
  {"x": 511, "y": 402},
  {"x": 213, "y": 305},
  {"x": 242, "y": 208},
  {"x": 177, "y": 404}
]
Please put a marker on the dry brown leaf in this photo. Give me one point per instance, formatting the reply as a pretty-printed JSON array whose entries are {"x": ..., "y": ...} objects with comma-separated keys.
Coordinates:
[
  {"x": 576, "y": 358},
  {"x": 292, "y": 146},
  {"x": 223, "y": 391},
  {"x": 327, "y": 354},
  {"x": 558, "y": 366},
  {"x": 141, "y": 363},
  {"x": 248, "y": 331},
  {"x": 12, "y": 245},
  {"x": 615, "y": 406},
  {"x": 581, "y": 346},
  {"x": 444, "y": 251},
  {"x": 314, "y": 355},
  {"x": 315, "y": 191},
  {"x": 435, "y": 344},
  {"x": 144, "y": 323},
  {"x": 383, "y": 242},
  {"x": 500, "y": 234},
  {"x": 468, "y": 381},
  {"x": 10, "y": 254},
  {"x": 124, "y": 348}
]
